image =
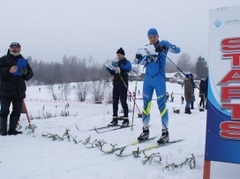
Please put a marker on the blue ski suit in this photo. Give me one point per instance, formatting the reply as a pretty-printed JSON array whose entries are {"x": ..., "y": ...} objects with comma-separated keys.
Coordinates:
[{"x": 155, "y": 79}]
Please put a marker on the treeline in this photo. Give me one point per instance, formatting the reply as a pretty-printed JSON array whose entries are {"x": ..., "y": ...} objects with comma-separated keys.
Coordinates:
[{"x": 71, "y": 69}]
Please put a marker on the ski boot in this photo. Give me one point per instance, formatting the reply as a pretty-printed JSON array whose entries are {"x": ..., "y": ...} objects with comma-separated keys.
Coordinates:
[
  {"x": 125, "y": 122},
  {"x": 144, "y": 135},
  {"x": 114, "y": 122},
  {"x": 164, "y": 138}
]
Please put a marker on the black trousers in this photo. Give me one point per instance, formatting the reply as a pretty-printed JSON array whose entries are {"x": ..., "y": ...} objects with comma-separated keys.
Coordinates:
[
  {"x": 120, "y": 92},
  {"x": 202, "y": 101},
  {"x": 15, "y": 114}
]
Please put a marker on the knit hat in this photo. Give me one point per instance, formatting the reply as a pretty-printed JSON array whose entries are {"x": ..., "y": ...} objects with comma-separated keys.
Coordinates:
[
  {"x": 121, "y": 51},
  {"x": 187, "y": 76},
  {"x": 152, "y": 31},
  {"x": 16, "y": 44}
]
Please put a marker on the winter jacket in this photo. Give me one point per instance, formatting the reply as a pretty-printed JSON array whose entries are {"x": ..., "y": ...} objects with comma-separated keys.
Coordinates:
[
  {"x": 125, "y": 67},
  {"x": 188, "y": 90},
  {"x": 12, "y": 85},
  {"x": 202, "y": 88}
]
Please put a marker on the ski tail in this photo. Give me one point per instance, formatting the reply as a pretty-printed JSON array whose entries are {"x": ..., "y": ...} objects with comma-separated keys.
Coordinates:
[{"x": 114, "y": 128}]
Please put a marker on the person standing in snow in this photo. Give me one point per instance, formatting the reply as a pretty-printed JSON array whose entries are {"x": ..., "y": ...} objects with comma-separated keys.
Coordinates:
[
  {"x": 194, "y": 86},
  {"x": 182, "y": 99},
  {"x": 188, "y": 93},
  {"x": 120, "y": 86},
  {"x": 206, "y": 82},
  {"x": 12, "y": 88},
  {"x": 172, "y": 97},
  {"x": 155, "y": 79},
  {"x": 202, "y": 93},
  {"x": 167, "y": 97}
]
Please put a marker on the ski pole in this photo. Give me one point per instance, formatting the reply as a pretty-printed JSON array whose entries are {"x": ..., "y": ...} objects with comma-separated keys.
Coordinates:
[
  {"x": 135, "y": 102},
  {"x": 175, "y": 65},
  {"x": 130, "y": 93},
  {"x": 179, "y": 69}
]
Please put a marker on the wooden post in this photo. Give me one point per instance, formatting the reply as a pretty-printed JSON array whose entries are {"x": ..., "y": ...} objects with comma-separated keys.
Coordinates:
[
  {"x": 206, "y": 169},
  {"x": 26, "y": 111}
]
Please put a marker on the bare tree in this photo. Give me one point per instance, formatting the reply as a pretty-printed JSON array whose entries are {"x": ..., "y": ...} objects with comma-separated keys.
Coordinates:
[
  {"x": 98, "y": 90},
  {"x": 170, "y": 67},
  {"x": 51, "y": 89},
  {"x": 82, "y": 90},
  {"x": 65, "y": 91},
  {"x": 184, "y": 62}
]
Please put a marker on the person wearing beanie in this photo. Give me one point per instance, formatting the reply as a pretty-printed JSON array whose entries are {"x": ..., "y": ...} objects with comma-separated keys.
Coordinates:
[
  {"x": 13, "y": 75},
  {"x": 121, "y": 51},
  {"x": 119, "y": 72},
  {"x": 153, "y": 56},
  {"x": 152, "y": 32}
]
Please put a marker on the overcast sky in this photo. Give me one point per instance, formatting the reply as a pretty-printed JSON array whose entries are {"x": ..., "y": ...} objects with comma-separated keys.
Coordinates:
[{"x": 50, "y": 29}]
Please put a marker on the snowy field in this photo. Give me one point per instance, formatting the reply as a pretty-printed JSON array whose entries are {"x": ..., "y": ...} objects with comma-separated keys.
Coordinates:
[{"x": 33, "y": 156}]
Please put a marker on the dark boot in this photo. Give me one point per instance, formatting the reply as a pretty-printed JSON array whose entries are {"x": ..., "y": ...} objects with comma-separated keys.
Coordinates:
[
  {"x": 3, "y": 126},
  {"x": 12, "y": 126},
  {"x": 125, "y": 122},
  {"x": 187, "y": 111},
  {"x": 114, "y": 122},
  {"x": 192, "y": 105},
  {"x": 14, "y": 132}
]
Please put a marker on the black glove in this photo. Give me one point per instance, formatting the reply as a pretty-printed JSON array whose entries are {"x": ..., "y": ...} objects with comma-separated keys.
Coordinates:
[
  {"x": 23, "y": 71},
  {"x": 138, "y": 56},
  {"x": 161, "y": 48}
]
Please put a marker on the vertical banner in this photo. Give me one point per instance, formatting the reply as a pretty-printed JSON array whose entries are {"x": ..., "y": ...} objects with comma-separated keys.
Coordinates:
[{"x": 223, "y": 106}]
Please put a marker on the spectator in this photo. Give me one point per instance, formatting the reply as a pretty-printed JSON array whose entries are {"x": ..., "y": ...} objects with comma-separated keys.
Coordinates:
[
  {"x": 188, "y": 93},
  {"x": 120, "y": 86},
  {"x": 13, "y": 88}
]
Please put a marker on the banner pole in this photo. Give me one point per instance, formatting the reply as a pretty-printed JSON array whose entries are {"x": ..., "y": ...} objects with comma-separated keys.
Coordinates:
[{"x": 206, "y": 169}]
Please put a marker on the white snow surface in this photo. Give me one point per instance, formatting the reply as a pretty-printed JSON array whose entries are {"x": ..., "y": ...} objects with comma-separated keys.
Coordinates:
[{"x": 32, "y": 156}]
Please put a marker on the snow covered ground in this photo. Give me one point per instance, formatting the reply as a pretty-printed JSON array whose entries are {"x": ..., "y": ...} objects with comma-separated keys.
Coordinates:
[{"x": 32, "y": 156}]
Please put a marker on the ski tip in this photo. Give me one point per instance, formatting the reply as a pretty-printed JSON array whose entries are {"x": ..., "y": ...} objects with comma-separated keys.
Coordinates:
[{"x": 174, "y": 141}]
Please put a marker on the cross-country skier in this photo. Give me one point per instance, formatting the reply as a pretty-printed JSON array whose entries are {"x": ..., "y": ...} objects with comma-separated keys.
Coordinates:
[
  {"x": 120, "y": 71},
  {"x": 155, "y": 79}
]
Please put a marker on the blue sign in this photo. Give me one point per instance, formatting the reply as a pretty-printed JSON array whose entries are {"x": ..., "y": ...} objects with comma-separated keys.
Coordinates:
[{"x": 223, "y": 105}]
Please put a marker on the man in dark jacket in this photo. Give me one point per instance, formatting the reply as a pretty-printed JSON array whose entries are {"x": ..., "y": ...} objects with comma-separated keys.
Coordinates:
[
  {"x": 14, "y": 70},
  {"x": 120, "y": 86}
]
